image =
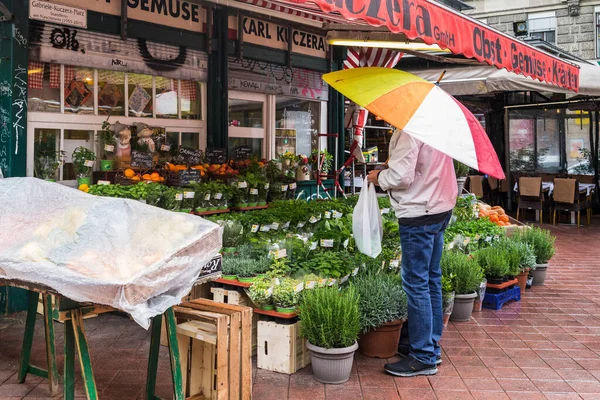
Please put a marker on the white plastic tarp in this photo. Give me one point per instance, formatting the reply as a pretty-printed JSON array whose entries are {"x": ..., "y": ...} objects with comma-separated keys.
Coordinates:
[
  {"x": 137, "y": 258},
  {"x": 482, "y": 79}
]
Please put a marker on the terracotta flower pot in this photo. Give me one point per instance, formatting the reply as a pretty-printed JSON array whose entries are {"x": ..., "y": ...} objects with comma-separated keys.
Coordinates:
[
  {"x": 522, "y": 277},
  {"x": 381, "y": 342}
]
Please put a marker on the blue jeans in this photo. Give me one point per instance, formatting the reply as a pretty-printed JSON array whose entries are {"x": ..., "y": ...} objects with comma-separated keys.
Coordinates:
[{"x": 422, "y": 248}]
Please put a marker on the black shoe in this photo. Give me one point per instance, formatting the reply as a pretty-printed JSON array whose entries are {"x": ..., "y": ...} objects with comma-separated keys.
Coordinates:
[
  {"x": 403, "y": 353},
  {"x": 409, "y": 366}
]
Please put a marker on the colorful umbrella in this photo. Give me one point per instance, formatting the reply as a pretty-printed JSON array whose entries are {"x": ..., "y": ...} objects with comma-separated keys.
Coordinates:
[{"x": 422, "y": 110}]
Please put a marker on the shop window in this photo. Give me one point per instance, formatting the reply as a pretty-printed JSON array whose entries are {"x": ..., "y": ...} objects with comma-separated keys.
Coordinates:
[
  {"x": 79, "y": 90},
  {"x": 111, "y": 93},
  {"x": 254, "y": 144},
  {"x": 191, "y": 100},
  {"x": 190, "y": 140},
  {"x": 166, "y": 98},
  {"x": 246, "y": 113},
  {"x": 548, "y": 142},
  {"x": 44, "y": 87},
  {"x": 543, "y": 26},
  {"x": 597, "y": 32},
  {"x": 140, "y": 95},
  {"x": 579, "y": 160},
  {"x": 522, "y": 143},
  {"x": 72, "y": 140},
  {"x": 46, "y": 152},
  {"x": 297, "y": 125}
]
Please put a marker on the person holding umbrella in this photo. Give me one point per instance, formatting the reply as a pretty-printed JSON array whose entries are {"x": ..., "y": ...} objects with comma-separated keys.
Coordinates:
[{"x": 422, "y": 187}]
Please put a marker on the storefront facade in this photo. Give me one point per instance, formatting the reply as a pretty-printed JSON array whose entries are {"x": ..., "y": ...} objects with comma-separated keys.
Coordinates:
[{"x": 85, "y": 67}]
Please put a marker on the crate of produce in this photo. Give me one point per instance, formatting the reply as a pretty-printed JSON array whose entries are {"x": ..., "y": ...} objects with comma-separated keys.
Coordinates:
[
  {"x": 281, "y": 348},
  {"x": 495, "y": 301},
  {"x": 214, "y": 347}
]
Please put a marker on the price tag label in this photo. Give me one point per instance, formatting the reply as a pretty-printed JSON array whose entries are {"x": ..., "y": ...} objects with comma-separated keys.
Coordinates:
[
  {"x": 301, "y": 224},
  {"x": 488, "y": 239},
  {"x": 189, "y": 195},
  {"x": 109, "y": 147},
  {"x": 344, "y": 279},
  {"x": 242, "y": 184},
  {"x": 280, "y": 254},
  {"x": 218, "y": 196},
  {"x": 337, "y": 215},
  {"x": 293, "y": 186},
  {"x": 467, "y": 241},
  {"x": 311, "y": 284},
  {"x": 299, "y": 287},
  {"x": 270, "y": 291},
  {"x": 286, "y": 225},
  {"x": 313, "y": 245},
  {"x": 313, "y": 219},
  {"x": 327, "y": 215},
  {"x": 323, "y": 282},
  {"x": 346, "y": 242},
  {"x": 284, "y": 188},
  {"x": 496, "y": 237},
  {"x": 103, "y": 183},
  {"x": 254, "y": 228},
  {"x": 355, "y": 271},
  {"x": 275, "y": 226},
  {"x": 326, "y": 242},
  {"x": 394, "y": 263},
  {"x": 331, "y": 282},
  {"x": 265, "y": 228},
  {"x": 179, "y": 196},
  {"x": 207, "y": 196},
  {"x": 267, "y": 185},
  {"x": 385, "y": 211},
  {"x": 88, "y": 163},
  {"x": 165, "y": 147},
  {"x": 254, "y": 191}
]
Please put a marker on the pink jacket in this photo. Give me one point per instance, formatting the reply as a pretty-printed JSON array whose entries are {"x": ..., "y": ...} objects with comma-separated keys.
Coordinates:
[{"x": 420, "y": 180}]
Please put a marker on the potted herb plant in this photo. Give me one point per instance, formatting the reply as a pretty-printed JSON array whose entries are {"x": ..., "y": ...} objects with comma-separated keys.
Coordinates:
[
  {"x": 107, "y": 141},
  {"x": 330, "y": 322},
  {"x": 494, "y": 262},
  {"x": 461, "y": 171},
  {"x": 231, "y": 266},
  {"x": 542, "y": 243},
  {"x": 232, "y": 236},
  {"x": 261, "y": 293},
  {"x": 47, "y": 163},
  {"x": 263, "y": 193},
  {"x": 322, "y": 159},
  {"x": 246, "y": 271},
  {"x": 83, "y": 163},
  {"x": 467, "y": 278},
  {"x": 521, "y": 260},
  {"x": 286, "y": 295},
  {"x": 254, "y": 183},
  {"x": 447, "y": 297},
  {"x": 382, "y": 308},
  {"x": 240, "y": 192}
]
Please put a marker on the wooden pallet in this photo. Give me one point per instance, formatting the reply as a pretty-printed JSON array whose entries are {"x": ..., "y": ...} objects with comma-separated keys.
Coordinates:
[
  {"x": 281, "y": 348},
  {"x": 235, "y": 297},
  {"x": 214, "y": 341}
]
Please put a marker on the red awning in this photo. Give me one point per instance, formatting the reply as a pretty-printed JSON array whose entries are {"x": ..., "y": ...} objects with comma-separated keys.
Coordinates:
[{"x": 436, "y": 24}]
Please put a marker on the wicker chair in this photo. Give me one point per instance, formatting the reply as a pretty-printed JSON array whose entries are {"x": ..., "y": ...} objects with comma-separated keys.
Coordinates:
[
  {"x": 531, "y": 196},
  {"x": 567, "y": 197}
]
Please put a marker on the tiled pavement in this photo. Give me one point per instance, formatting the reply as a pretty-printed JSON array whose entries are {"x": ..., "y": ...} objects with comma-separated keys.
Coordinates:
[{"x": 545, "y": 347}]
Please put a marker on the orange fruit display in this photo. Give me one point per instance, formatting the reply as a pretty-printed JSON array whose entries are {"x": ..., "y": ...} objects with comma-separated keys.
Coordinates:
[{"x": 129, "y": 173}]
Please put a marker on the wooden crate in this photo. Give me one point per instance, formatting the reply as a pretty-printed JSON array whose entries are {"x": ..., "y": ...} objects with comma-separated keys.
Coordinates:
[
  {"x": 235, "y": 297},
  {"x": 214, "y": 343},
  {"x": 281, "y": 348},
  {"x": 199, "y": 291}
]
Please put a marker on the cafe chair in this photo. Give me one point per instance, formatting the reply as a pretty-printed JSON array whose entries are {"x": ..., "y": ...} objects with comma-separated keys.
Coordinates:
[
  {"x": 567, "y": 197},
  {"x": 476, "y": 185},
  {"x": 494, "y": 186},
  {"x": 531, "y": 196}
]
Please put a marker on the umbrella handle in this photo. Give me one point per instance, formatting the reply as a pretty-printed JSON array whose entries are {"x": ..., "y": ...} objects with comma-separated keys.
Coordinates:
[{"x": 440, "y": 78}]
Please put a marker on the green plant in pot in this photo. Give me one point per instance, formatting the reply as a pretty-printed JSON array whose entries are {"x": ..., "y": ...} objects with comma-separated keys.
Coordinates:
[
  {"x": 254, "y": 184},
  {"x": 322, "y": 159},
  {"x": 231, "y": 266},
  {"x": 461, "y": 171},
  {"x": 246, "y": 271},
  {"x": 286, "y": 295},
  {"x": 382, "y": 308},
  {"x": 83, "y": 164},
  {"x": 542, "y": 242},
  {"x": 494, "y": 262},
  {"x": 526, "y": 261},
  {"x": 232, "y": 236},
  {"x": 107, "y": 142},
  {"x": 330, "y": 322},
  {"x": 47, "y": 163},
  {"x": 447, "y": 297},
  {"x": 261, "y": 293},
  {"x": 467, "y": 279}
]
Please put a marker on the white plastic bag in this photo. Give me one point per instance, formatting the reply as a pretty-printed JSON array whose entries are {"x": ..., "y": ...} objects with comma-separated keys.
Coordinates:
[{"x": 366, "y": 222}]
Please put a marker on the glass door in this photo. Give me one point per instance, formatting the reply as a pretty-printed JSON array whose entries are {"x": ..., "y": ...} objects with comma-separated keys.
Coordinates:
[{"x": 247, "y": 122}]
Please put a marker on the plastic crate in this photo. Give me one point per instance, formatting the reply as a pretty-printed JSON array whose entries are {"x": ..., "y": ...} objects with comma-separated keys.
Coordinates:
[{"x": 495, "y": 301}]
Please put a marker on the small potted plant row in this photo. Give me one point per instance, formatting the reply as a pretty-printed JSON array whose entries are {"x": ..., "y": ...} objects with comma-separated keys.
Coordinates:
[
  {"x": 466, "y": 277},
  {"x": 542, "y": 243}
]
